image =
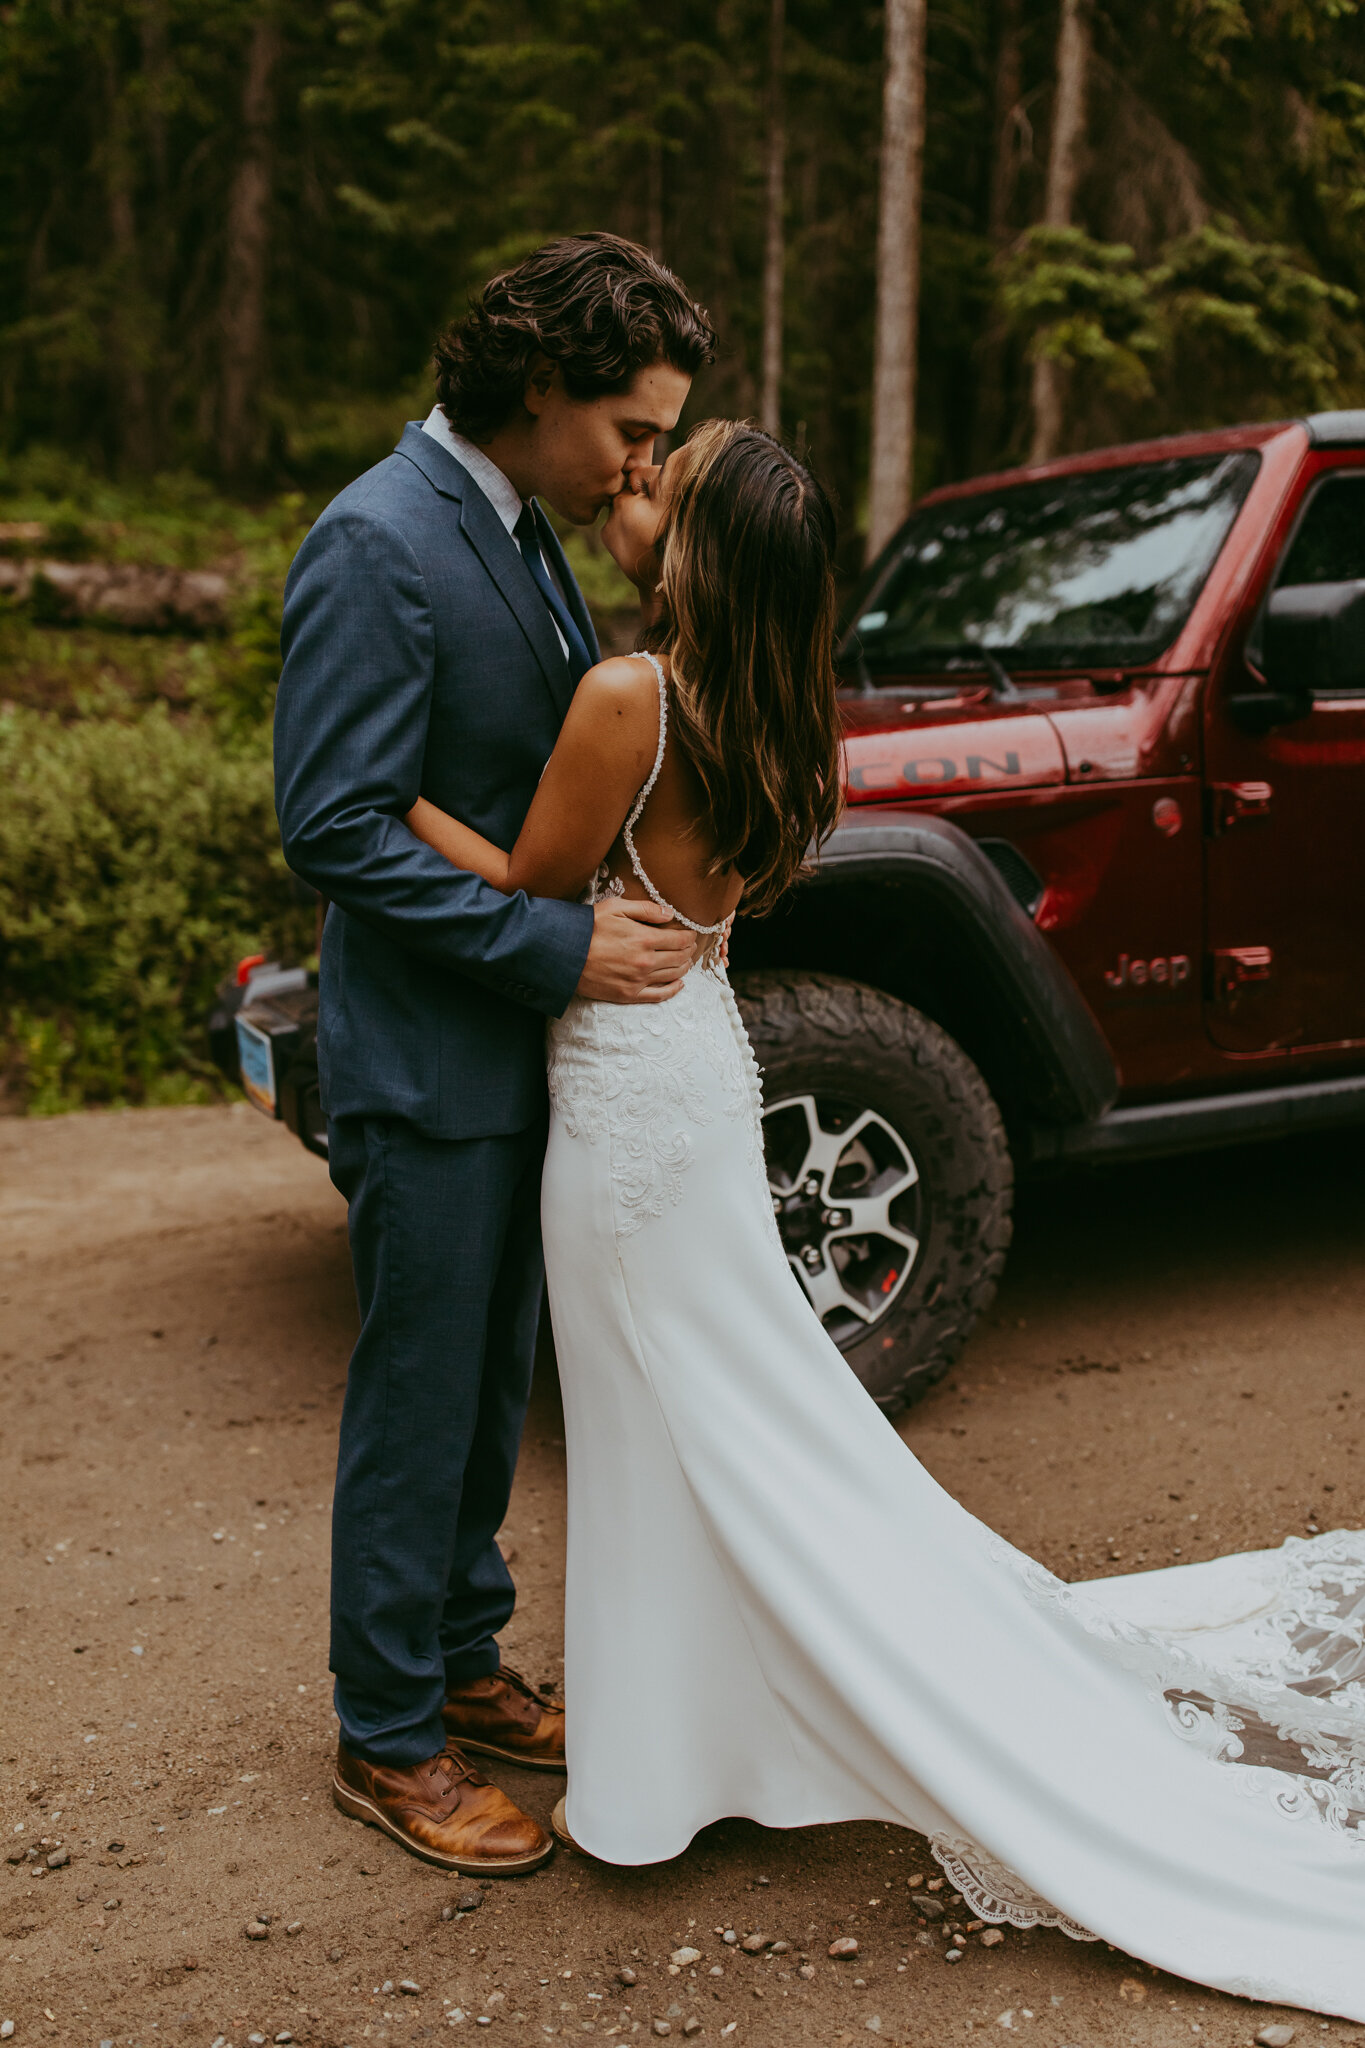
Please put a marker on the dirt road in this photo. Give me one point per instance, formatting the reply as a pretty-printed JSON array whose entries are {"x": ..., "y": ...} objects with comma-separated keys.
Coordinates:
[{"x": 1174, "y": 1369}]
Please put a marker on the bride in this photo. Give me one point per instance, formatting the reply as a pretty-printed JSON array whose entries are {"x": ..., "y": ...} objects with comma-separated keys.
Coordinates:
[{"x": 772, "y": 1610}]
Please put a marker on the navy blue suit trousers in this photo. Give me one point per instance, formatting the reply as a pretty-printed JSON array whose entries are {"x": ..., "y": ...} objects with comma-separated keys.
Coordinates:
[{"x": 445, "y": 1242}]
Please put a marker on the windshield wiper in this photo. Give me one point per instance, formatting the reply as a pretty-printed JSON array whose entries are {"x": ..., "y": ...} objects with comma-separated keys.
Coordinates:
[
  {"x": 970, "y": 656},
  {"x": 1003, "y": 684}
]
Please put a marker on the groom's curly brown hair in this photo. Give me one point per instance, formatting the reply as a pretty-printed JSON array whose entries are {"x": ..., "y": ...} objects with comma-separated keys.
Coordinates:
[{"x": 599, "y": 307}]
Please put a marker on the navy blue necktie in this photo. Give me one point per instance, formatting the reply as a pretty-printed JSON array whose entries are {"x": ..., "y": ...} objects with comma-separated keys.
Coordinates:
[{"x": 525, "y": 532}]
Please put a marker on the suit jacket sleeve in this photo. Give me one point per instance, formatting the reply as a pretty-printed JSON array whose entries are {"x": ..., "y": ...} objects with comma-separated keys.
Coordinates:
[{"x": 351, "y": 723}]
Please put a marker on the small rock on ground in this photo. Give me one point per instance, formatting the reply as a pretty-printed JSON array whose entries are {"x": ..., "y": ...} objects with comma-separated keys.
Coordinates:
[
  {"x": 1277, "y": 2036},
  {"x": 683, "y": 1956},
  {"x": 844, "y": 1949}
]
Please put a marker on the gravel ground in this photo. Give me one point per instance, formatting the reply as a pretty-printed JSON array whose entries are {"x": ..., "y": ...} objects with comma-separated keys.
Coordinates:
[{"x": 1173, "y": 1370}]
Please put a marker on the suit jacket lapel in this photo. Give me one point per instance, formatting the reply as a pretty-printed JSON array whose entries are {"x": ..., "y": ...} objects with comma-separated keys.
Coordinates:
[
  {"x": 500, "y": 556},
  {"x": 568, "y": 582}
]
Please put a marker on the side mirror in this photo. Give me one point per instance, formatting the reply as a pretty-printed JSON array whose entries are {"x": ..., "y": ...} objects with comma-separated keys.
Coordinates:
[{"x": 1312, "y": 639}]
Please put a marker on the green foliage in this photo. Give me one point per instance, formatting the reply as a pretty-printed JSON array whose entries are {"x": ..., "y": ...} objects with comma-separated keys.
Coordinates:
[
  {"x": 1251, "y": 305},
  {"x": 1083, "y": 303},
  {"x": 1232, "y": 313},
  {"x": 176, "y": 519},
  {"x": 605, "y": 589},
  {"x": 138, "y": 858}
]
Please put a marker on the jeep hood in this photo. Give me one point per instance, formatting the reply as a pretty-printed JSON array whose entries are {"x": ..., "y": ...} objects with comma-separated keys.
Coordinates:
[{"x": 955, "y": 745}]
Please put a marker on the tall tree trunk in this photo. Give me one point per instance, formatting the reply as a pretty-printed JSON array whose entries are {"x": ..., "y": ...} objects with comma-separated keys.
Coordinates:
[
  {"x": 775, "y": 252},
  {"x": 134, "y": 434},
  {"x": 898, "y": 246},
  {"x": 246, "y": 262},
  {"x": 1009, "y": 84},
  {"x": 989, "y": 434},
  {"x": 1059, "y": 203},
  {"x": 155, "y": 66}
]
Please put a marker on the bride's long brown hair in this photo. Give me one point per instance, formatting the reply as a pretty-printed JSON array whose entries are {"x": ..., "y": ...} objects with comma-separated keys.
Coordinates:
[{"x": 747, "y": 625}]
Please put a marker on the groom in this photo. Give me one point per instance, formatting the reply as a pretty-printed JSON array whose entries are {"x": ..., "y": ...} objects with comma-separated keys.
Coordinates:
[{"x": 433, "y": 636}]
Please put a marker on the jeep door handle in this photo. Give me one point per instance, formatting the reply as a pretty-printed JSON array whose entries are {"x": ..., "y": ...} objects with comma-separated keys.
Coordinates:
[
  {"x": 1238, "y": 803},
  {"x": 1236, "y": 966}
]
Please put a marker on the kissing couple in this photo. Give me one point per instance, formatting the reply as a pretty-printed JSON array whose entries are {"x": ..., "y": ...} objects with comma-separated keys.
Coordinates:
[{"x": 527, "y": 1038}]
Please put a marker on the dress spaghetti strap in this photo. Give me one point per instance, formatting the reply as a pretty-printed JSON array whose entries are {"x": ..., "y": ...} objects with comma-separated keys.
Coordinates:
[{"x": 706, "y": 931}]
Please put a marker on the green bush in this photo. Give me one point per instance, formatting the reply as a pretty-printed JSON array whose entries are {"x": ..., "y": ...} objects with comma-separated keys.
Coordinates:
[
  {"x": 138, "y": 859},
  {"x": 139, "y": 853}
]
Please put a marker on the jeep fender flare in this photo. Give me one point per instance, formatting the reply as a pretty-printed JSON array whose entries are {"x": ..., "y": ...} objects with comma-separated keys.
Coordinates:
[{"x": 946, "y": 935}]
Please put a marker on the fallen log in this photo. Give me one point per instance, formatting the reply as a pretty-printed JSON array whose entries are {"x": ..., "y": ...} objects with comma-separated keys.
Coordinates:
[{"x": 141, "y": 600}]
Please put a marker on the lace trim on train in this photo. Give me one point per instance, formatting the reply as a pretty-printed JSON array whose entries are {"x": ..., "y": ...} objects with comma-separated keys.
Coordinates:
[
  {"x": 1287, "y": 1714},
  {"x": 633, "y": 1074},
  {"x": 995, "y": 1893}
]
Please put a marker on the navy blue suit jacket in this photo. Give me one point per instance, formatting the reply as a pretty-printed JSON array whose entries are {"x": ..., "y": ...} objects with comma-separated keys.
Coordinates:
[{"x": 420, "y": 659}]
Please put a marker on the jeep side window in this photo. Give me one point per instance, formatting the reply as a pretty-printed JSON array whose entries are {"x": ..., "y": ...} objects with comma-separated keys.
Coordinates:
[{"x": 1328, "y": 546}]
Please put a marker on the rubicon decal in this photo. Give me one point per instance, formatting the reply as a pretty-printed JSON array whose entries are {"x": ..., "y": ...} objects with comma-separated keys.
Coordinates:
[
  {"x": 1162, "y": 971},
  {"x": 932, "y": 771},
  {"x": 951, "y": 759}
]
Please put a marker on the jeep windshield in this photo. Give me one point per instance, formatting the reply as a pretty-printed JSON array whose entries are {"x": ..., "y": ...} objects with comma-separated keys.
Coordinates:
[{"x": 1096, "y": 570}]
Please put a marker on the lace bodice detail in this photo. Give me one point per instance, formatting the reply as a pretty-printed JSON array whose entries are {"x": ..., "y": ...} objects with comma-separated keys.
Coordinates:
[
  {"x": 612, "y": 885},
  {"x": 646, "y": 1077}
]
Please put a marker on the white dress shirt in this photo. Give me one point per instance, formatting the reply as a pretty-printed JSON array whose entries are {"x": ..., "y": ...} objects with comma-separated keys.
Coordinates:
[{"x": 500, "y": 491}]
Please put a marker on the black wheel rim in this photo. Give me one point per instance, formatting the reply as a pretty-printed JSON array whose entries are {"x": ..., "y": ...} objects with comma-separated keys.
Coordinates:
[{"x": 849, "y": 1205}]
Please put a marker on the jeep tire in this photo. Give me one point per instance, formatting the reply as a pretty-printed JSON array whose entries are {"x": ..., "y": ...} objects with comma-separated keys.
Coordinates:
[{"x": 843, "y": 1057}]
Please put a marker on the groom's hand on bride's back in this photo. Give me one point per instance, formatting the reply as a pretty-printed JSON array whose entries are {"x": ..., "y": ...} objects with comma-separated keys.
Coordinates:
[{"x": 637, "y": 955}]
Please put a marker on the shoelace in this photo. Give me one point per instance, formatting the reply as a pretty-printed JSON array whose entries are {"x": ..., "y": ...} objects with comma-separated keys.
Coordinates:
[{"x": 456, "y": 1768}]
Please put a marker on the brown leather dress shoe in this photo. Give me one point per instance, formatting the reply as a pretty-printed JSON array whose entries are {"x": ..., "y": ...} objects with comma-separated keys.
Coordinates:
[
  {"x": 442, "y": 1811},
  {"x": 503, "y": 1716}
]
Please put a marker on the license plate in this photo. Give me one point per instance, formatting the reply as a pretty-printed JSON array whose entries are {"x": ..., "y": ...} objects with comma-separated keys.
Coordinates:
[{"x": 256, "y": 1058}]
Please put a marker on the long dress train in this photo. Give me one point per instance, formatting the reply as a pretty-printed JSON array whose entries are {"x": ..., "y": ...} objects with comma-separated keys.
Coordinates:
[{"x": 773, "y": 1610}]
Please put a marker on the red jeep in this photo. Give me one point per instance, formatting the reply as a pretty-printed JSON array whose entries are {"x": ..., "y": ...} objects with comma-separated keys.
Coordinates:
[{"x": 1099, "y": 888}]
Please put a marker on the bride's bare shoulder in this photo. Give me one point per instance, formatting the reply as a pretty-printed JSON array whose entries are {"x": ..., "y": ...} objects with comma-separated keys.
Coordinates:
[
  {"x": 622, "y": 675},
  {"x": 622, "y": 688}
]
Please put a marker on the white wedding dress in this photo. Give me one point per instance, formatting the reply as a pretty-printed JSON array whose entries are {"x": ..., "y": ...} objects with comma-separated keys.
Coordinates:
[{"x": 772, "y": 1610}]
